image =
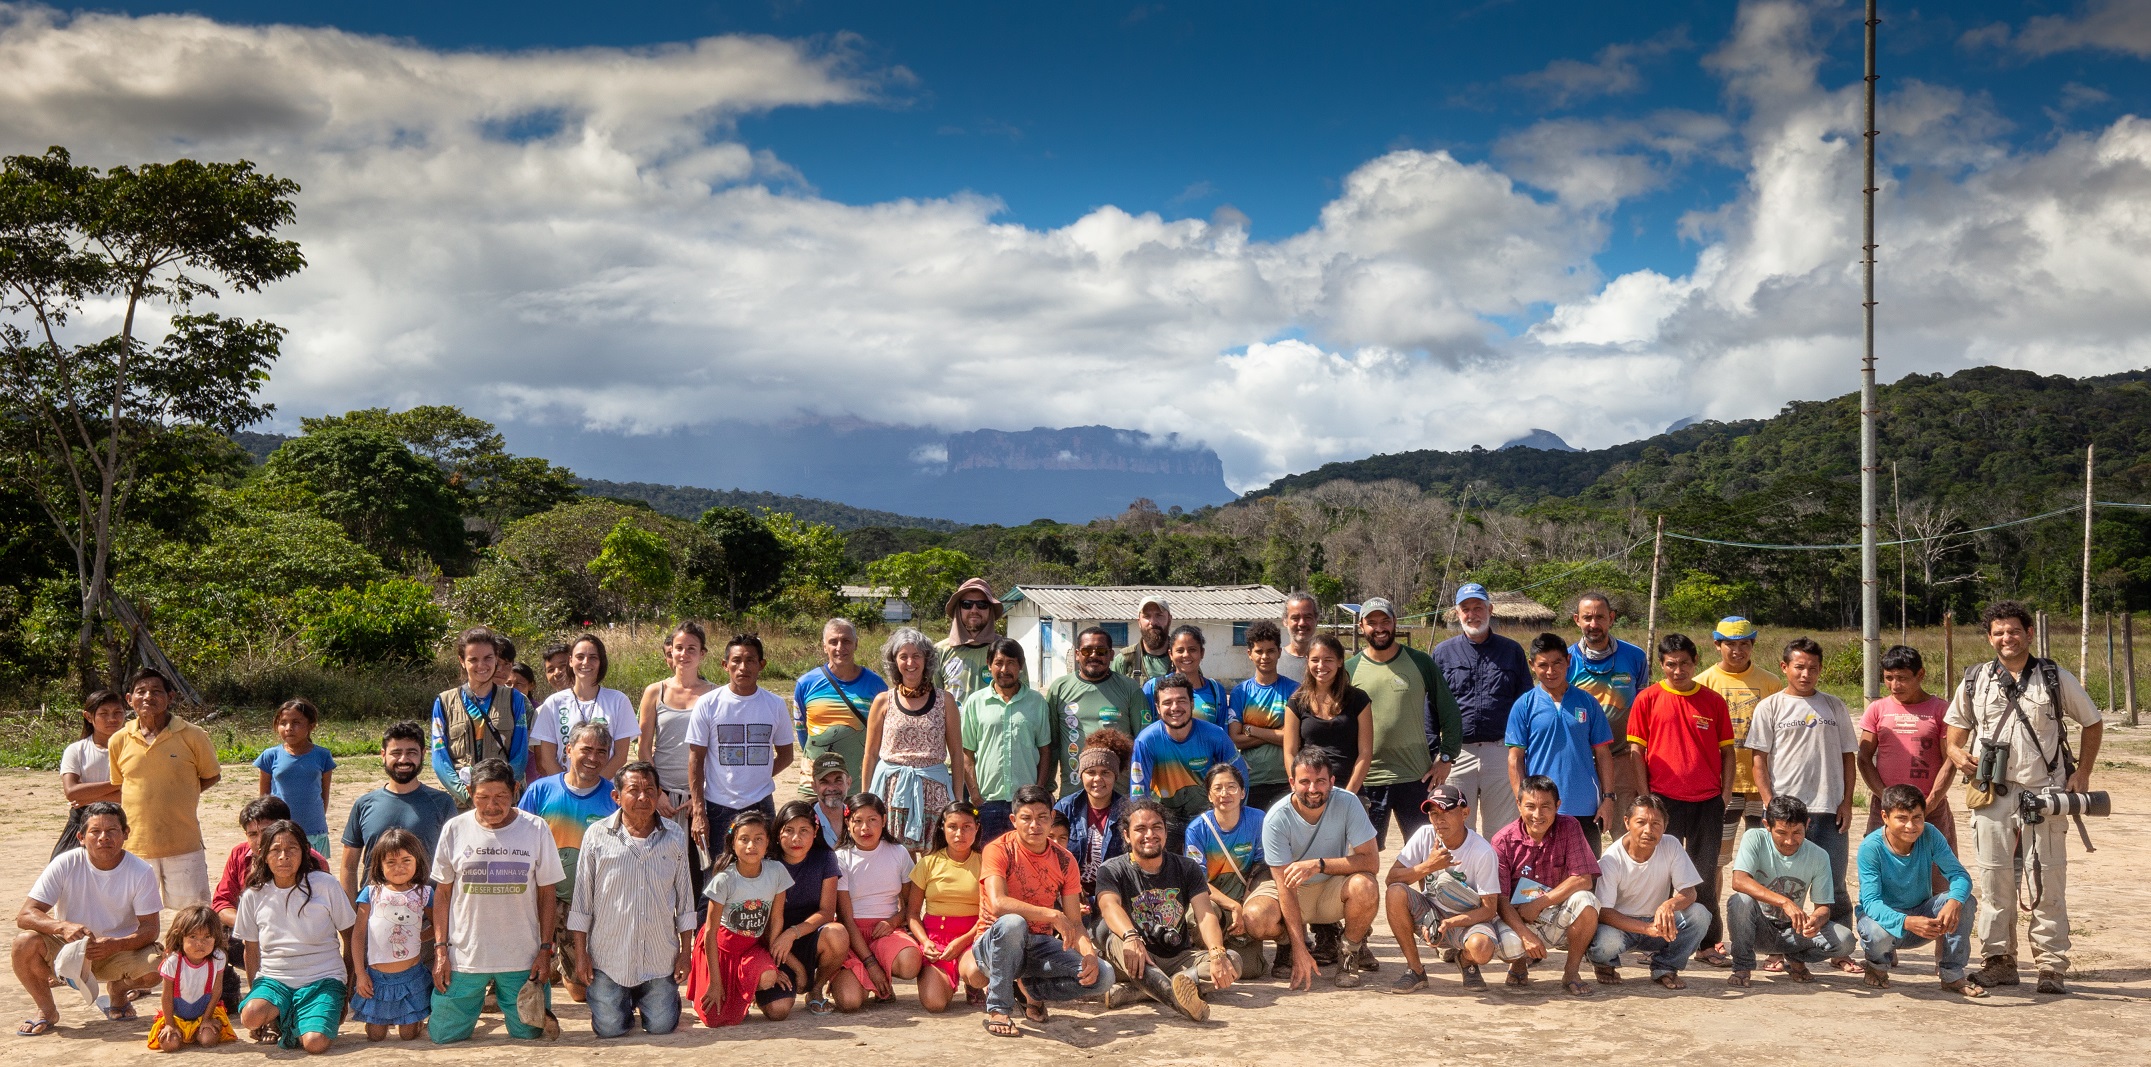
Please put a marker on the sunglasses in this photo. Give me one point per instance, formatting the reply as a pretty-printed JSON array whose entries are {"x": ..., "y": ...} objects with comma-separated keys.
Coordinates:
[
  {"x": 969, "y": 604},
  {"x": 1088, "y": 652}
]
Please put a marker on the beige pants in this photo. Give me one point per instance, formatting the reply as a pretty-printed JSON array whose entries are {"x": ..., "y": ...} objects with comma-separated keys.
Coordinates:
[
  {"x": 182, "y": 879},
  {"x": 1995, "y": 859},
  {"x": 1320, "y": 902}
]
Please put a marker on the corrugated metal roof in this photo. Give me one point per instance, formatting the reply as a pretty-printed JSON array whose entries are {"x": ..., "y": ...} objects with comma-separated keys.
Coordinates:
[
  {"x": 1122, "y": 601},
  {"x": 1513, "y": 607}
]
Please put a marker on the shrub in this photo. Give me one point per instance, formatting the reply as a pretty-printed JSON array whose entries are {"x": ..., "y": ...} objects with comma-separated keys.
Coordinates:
[{"x": 387, "y": 621}]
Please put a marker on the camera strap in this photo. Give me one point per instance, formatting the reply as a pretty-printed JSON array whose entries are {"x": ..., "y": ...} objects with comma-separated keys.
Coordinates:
[{"x": 2013, "y": 691}]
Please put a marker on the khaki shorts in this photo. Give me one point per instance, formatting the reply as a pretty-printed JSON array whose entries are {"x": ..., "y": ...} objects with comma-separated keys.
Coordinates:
[
  {"x": 1320, "y": 902},
  {"x": 1553, "y": 923},
  {"x": 118, "y": 967}
]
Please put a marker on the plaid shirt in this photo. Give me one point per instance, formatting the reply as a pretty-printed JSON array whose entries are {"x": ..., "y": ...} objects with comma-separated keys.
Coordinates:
[{"x": 1563, "y": 854}]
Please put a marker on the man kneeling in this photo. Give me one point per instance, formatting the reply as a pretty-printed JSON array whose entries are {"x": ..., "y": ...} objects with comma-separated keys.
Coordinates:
[
  {"x": 1154, "y": 906},
  {"x": 1646, "y": 897},
  {"x": 1782, "y": 891},
  {"x": 1898, "y": 907},
  {"x": 1445, "y": 889}
]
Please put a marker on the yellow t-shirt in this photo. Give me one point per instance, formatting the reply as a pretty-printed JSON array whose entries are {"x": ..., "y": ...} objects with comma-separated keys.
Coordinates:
[
  {"x": 951, "y": 888},
  {"x": 1741, "y": 692},
  {"x": 161, "y": 785}
]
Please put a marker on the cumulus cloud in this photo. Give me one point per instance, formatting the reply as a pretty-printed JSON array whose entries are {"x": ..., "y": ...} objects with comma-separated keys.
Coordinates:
[{"x": 581, "y": 237}]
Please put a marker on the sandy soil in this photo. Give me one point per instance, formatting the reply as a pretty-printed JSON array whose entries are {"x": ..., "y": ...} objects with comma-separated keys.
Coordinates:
[{"x": 2108, "y": 1017}]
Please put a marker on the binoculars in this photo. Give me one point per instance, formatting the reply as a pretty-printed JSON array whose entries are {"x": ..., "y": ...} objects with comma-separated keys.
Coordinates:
[
  {"x": 1993, "y": 764},
  {"x": 2034, "y": 807}
]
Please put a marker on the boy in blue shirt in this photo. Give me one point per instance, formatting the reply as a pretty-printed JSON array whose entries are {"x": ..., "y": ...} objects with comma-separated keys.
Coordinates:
[
  {"x": 1898, "y": 905},
  {"x": 1557, "y": 730},
  {"x": 1255, "y": 716}
]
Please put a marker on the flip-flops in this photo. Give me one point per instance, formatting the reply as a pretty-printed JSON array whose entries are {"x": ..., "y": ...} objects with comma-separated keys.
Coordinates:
[
  {"x": 1005, "y": 1026},
  {"x": 34, "y": 1028}
]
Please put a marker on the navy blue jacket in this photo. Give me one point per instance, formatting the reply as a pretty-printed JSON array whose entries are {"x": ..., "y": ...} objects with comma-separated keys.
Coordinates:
[{"x": 1486, "y": 679}]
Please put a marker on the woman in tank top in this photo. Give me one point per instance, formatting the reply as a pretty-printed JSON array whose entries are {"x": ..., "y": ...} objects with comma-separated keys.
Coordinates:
[
  {"x": 1330, "y": 712},
  {"x": 911, "y": 731},
  {"x": 667, "y": 704}
]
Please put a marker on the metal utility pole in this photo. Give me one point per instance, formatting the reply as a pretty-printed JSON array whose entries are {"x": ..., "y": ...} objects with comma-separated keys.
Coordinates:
[
  {"x": 2083, "y": 650},
  {"x": 1870, "y": 582}
]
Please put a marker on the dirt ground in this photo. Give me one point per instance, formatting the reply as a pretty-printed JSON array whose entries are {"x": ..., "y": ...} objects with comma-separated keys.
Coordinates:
[{"x": 2107, "y": 1018}]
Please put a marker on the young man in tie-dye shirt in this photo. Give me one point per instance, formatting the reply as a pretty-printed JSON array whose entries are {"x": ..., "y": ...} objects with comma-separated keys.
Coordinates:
[{"x": 1173, "y": 757}]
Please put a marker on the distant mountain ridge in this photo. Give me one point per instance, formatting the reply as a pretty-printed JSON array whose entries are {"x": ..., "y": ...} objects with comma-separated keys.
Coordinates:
[{"x": 689, "y": 502}]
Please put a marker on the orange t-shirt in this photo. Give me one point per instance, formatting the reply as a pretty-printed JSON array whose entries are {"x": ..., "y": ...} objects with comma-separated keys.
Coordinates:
[{"x": 1039, "y": 879}]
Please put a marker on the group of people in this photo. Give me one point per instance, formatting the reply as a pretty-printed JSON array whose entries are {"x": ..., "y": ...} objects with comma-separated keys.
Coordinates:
[{"x": 1136, "y": 830}]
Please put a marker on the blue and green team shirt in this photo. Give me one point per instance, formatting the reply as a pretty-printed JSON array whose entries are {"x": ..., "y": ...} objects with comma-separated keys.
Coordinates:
[
  {"x": 1255, "y": 704},
  {"x": 1210, "y": 700},
  {"x": 1173, "y": 771},
  {"x": 1231, "y": 861}
]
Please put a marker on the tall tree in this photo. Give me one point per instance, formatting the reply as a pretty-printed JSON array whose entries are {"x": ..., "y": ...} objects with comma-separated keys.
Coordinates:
[
  {"x": 81, "y": 412},
  {"x": 387, "y": 497}
]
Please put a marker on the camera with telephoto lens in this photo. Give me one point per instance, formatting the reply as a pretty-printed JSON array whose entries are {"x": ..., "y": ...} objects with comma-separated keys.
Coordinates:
[
  {"x": 2034, "y": 806},
  {"x": 1993, "y": 764}
]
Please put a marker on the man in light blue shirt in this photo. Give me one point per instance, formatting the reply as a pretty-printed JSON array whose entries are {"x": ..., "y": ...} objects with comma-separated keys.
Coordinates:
[{"x": 1557, "y": 730}]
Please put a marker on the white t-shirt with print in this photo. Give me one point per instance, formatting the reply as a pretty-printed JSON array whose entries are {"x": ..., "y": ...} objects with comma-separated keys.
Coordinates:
[
  {"x": 1475, "y": 857},
  {"x": 563, "y": 712},
  {"x": 742, "y": 734},
  {"x": 493, "y": 913}
]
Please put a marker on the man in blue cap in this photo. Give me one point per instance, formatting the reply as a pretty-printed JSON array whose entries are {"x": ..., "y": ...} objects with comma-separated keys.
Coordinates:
[{"x": 1486, "y": 672}]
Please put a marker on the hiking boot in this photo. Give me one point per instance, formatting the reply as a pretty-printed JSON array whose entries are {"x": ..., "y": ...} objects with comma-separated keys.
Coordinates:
[
  {"x": 1348, "y": 965},
  {"x": 1367, "y": 962},
  {"x": 1998, "y": 971},
  {"x": 1178, "y": 992},
  {"x": 1410, "y": 981},
  {"x": 1324, "y": 949},
  {"x": 1122, "y": 994},
  {"x": 2051, "y": 982}
]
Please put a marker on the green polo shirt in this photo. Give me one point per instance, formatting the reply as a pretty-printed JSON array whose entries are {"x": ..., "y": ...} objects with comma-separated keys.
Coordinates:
[{"x": 1003, "y": 737}]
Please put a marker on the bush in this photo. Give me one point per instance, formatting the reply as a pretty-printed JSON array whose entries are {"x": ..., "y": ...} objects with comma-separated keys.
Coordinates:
[
  {"x": 537, "y": 578},
  {"x": 387, "y": 621}
]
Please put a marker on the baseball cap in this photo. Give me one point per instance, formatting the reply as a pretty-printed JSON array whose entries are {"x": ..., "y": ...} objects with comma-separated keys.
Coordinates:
[
  {"x": 1444, "y": 797},
  {"x": 1377, "y": 603},
  {"x": 1472, "y": 591},
  {"x": 1158, "y": 600},
  {"x": 1734, "y": 628},
  {"x": 828, "y": 763}
]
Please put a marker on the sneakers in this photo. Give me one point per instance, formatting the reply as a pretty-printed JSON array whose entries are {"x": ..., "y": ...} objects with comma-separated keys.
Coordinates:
[
  {"x": 1348, "y": 964},
  {"x": 2051, "y": 982},
  {"x": 1473, "y": 980},
  {"x": 1998, "y": 971},
  {"x": 1326, "y": 938},
  {"x": 1122, "y": 994},
  {"x": 1410, "y": 981}
]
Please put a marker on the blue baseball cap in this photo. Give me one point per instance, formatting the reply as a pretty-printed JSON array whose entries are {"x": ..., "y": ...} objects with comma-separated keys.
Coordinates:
[{"x": 1472, "y": 591}]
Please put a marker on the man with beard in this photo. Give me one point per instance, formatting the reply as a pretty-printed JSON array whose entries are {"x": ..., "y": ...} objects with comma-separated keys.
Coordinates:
[
  {"x": 967, "y": 654},
  {"x": 1301, "y": 611},
  {"x": 1155, "y": 908},
  {"x": 1150, "y": 655},
  {"x": 1417, "y": 731},
  {"x": 1173, "y": 757},
  {"x": 1486, "y": 672},
  {"x": 404, "y": 803},
  {"x": 1322, "y": 851},
  {"x": 1092, "y": 699},
  {"x": 1611, "y": 671}
]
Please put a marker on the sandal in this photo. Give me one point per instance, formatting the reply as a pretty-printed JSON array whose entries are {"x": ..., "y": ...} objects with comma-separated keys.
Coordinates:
[
  {"x": 41, "y": 1027},
  {"x": 1671, "y": 981},
  {"x": 1575, "y": 987},
  {"x": 1964, "y": 988},
  {"x": 1033, "y": 1009},
  {"x": 1774, "y": 964},
  {"x": 1606, "y": 975},
  {"x": 1798, "y": 971},
  {"x": 1739, "y": 978},
  {"x": 1002, "y": 1026},
  {"x": 122, "y": 1011},
  {"x": 1845, "y": 964},
  {"x": 1714, "y": 957},
  {"x": 1519, "y": 975},
  {"x": 1875, "y": 978}
]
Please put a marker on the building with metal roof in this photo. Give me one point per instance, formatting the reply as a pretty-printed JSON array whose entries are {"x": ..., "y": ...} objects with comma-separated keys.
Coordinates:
[{"x": 1046, "y": 618}]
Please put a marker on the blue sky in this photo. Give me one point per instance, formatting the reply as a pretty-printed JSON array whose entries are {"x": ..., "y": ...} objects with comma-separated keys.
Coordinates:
[
  {"x": 1295, "y": 233},
  {"x": 1182, "y": 108}
]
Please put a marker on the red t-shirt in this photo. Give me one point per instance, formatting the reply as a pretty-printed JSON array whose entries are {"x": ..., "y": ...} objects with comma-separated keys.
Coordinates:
[
  {"x": 1682, "y": 735},
  {"x": 1908, "y": 740},
  {"x": 1039, "y": 879}
]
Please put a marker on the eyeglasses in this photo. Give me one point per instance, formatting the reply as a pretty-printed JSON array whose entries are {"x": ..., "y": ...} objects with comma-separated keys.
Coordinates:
[
  {"x": 1089, "y": 652},
  {"x": 967, "y": 605}
]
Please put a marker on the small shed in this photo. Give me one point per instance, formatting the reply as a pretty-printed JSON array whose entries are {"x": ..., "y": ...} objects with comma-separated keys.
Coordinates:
[
  {"x": 1513, "y": 611},
  {"x": 1045, "y": 619},
  {"x": 894, "y": 609}
]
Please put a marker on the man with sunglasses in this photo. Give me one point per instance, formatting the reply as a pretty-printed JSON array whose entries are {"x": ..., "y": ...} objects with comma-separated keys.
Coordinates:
[
  {"x": 1150, "y": 655},
  {"x": 967, "y": 653},
  {"x": 1091, "y": 699}
]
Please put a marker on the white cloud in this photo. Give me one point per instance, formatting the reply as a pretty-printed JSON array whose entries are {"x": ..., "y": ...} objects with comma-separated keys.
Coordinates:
[
  {"x": 628, "y": 263},
  {"x": 2101, "y": 25},
  {"x": 1613, "y": 71}
]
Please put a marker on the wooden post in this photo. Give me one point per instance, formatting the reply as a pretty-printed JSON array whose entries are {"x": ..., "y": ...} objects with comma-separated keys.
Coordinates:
[
  {"x": 2083, "y": 645},
  {"x": 2128, "y": 662},
  {"x": 2110, "y": 705},
  {"x": 1650, "y": 634},
  {"x": 1949, "y": 650},
  {"x": 2046, "y": 650}
]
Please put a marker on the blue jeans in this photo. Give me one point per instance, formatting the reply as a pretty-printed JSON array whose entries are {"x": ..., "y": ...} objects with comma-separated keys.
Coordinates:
[
  {"x": 1952, "y": 951},
  {"x": 994, "y": 820},
  {"x": 1008, "y": 951},
  {"x": 612, "y": 1005},
  {"x": 1667, "y": 957},
  {"x": 1750, "y": 929},
  {"x": 1822, "y": 830}
]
